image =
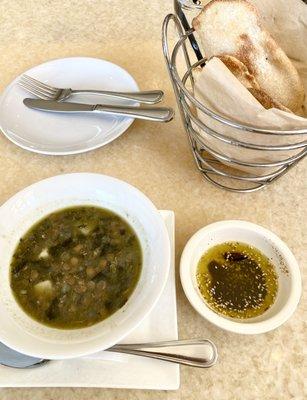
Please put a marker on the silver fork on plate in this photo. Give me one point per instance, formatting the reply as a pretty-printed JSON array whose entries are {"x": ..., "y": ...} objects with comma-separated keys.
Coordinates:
[{"x": 47, "y": 92}]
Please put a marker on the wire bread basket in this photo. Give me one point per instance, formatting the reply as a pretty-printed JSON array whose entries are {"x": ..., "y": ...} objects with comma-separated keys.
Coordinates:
[{"x": 254, "y": 163}]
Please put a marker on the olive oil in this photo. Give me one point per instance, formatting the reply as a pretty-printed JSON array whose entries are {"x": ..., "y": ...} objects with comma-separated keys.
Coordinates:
[{"x": 237, "y": 280}]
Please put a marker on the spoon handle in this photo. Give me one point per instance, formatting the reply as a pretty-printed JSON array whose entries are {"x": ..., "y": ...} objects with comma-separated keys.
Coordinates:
[{"x": 195, "y": 352}]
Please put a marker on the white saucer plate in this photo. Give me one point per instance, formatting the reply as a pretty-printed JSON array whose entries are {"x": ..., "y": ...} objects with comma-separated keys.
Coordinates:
[
  {"x": 114, "y": 370},
  {"x": 62, "y": 134}
]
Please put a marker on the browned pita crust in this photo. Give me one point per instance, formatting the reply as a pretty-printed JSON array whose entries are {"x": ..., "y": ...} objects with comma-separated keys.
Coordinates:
[
  {"x": 267, "y": 101},
  {"x": 240, "y": 71}
]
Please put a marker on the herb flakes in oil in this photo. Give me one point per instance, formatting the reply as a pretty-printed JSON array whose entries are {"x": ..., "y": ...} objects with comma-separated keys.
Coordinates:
[{"x": 237, "y": 280}]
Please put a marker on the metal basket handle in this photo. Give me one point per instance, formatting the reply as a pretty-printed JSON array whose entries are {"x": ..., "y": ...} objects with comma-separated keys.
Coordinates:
[{"x": 186, "y": 26}]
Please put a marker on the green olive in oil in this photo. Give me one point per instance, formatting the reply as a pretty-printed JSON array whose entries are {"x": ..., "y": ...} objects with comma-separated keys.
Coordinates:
[{"x": 237, "y": 280}]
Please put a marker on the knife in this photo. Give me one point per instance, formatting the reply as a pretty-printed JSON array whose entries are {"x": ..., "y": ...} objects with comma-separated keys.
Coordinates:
[{"x": 160, "y": 114}]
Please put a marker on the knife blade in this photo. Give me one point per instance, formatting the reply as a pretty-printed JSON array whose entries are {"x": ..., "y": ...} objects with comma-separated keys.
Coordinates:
[
  {"x": 159, "y": 114},
  {"x": 55, "y": 106}
]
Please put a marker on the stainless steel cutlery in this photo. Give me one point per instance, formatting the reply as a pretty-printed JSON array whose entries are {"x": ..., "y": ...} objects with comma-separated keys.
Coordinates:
[
  {"x": 160, "y": 114},
  {"x": 201, "y": 353},
  {"x": 51, "y": 99},
  {"x": 47, "y": 92}
]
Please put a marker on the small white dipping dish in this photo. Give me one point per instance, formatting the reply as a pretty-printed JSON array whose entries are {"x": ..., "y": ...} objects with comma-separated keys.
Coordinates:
[
  {"x": 22, "y": 211},
  {"x": 289, "y": 278}
]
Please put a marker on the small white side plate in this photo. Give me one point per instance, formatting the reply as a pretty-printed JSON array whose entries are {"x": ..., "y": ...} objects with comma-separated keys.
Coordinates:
[
  {"x": 61, "y": 134},
  {"x": 112, "y": 370}
]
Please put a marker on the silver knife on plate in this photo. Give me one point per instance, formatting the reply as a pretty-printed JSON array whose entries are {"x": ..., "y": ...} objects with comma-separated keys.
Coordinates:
[{"x": 160, "y": 114}]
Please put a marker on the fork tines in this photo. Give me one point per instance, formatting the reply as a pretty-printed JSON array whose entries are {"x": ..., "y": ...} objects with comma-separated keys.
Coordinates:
[{"x": 37, "y": 88}]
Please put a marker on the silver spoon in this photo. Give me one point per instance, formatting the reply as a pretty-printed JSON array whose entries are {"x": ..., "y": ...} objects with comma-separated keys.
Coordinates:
[{"x": 194, "y": 352}]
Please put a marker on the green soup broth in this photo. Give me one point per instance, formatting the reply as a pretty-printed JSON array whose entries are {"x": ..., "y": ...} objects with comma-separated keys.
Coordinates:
[{"x": 76, "y": 267}]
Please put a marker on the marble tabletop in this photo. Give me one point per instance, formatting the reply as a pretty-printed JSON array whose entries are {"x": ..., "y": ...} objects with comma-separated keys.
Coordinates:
[{"x": 157, "y": 159}]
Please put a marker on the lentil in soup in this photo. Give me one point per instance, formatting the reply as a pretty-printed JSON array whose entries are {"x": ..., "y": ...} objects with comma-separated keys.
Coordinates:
[{"x": 76, "y": 267}]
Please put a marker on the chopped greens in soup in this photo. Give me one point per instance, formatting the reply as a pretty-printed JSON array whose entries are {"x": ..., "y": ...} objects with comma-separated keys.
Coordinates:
[{"x": 76, "y": 267}]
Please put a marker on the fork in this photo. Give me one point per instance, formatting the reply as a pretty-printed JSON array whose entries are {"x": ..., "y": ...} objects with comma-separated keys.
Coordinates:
[{"x": 47, "y": 92}]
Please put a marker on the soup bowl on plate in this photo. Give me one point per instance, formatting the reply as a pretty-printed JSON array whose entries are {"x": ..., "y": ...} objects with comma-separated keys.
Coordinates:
[{"x": 18, "y": 215}]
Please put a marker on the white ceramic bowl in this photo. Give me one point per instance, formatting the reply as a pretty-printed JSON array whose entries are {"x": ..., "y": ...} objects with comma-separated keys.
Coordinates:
[
  {"x": 18, "y": 214},
  {"x": 289, "y": 279}
]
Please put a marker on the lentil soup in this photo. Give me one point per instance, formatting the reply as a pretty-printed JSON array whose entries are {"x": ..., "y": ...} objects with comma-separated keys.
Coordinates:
[{"x": 76, "y": 267}]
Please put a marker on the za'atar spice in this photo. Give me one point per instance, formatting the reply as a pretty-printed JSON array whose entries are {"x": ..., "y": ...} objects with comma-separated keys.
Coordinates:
[{"x": 237, "y": 280}]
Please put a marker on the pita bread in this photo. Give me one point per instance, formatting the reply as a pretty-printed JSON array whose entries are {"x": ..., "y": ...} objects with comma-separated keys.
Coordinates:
[
  {"x": 266, "y": 101},
  {"x": 240, "y": 71},
  {"x": 233, "y": 27}
]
